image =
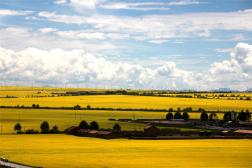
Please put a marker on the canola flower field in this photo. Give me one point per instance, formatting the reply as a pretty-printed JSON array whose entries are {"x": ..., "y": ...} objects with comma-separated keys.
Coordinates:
[
  {"x": 69, "y": 151},
  {"x": 126, "y": 101}
]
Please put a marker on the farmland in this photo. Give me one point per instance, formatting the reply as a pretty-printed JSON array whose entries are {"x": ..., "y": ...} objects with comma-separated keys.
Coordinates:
[
  {"x": 32, "y": 118},
  {"x": 59, "y": 150},
  {"x": 126, "y": 101},
  {"x": 70, "y": 151}
]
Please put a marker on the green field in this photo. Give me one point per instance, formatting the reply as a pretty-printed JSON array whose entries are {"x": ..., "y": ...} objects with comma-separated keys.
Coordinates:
[
  {"x": 59, "y": 151},
  {"x": 32, "y": 118}
]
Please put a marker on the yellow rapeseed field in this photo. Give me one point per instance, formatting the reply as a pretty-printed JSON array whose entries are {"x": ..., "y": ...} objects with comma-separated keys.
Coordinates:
[
  {"x": 125, "y": 101},
  {"x": 57, "y": 151}
]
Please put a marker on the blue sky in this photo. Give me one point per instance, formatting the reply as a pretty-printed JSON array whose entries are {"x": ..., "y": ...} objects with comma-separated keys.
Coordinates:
[{"x": 184, "y": 38}]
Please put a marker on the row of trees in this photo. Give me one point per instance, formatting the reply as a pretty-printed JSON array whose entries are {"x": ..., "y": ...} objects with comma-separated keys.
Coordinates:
[
  {"x": 242, "y": 116},
  {"x": 177, "y": 115},
  {"x": 44, "y": 129},
  {"x": 94, "y": 126}
]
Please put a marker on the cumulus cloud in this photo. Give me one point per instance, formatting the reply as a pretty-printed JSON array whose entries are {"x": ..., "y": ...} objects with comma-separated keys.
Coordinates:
[
  {"x": 236, "y": 72},
  {"x": 58, "y": 67}
]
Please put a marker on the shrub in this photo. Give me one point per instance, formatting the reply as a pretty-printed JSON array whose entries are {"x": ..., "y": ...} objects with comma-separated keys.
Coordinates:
[
  {"x": 116, "y": 128},
  {"x": 55, "y": 129},
  {"x": 20, "y": 132},
  {"x": 31, "y": 131}
]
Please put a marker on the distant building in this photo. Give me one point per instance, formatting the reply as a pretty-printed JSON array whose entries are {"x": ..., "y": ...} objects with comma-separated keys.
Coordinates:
[{"x": 151, "y": 130}]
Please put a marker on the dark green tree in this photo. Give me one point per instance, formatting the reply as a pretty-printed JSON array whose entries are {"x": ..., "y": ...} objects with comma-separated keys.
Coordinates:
[
  {"x": 17, "y": 127},
  {"x": 177, "y": 115},
  {"x": 204, "y": 116},
  {"x": 44, "y": 127},
  {"x": 83, "y": 125},
  {"x": 169, "y": 116},
  {"x": 94, "y": 125},
  {"x": 116, "y": 128},
  {"x": 77, "y": 107},
  {"x": 88, "y": 107},
  {"x": 55, "y": 129},
  {"x": 244, "y": 116},
  {"x": 185, "y": 116},
  {"x": 227, "y": 116}
]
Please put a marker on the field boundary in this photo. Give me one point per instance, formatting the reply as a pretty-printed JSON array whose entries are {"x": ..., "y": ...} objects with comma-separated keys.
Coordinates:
[{"x": 111, "y": 109}]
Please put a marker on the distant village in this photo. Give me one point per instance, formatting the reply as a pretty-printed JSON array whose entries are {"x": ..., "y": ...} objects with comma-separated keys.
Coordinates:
[{"x": 179, "y": 126}]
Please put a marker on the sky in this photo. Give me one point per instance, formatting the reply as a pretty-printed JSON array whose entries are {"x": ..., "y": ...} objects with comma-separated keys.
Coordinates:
[{"x": 140, "y": 44}]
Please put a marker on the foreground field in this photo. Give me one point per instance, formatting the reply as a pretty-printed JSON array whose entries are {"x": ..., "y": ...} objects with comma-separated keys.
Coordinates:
[
  {"x": 32, "y": 118},
  {"x": 71, "y": 151},
  {"x": 125, "y": 101}
]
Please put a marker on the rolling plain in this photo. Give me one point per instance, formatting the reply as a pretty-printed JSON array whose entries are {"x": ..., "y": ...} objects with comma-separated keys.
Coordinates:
[{"x": 69, "y": 151}]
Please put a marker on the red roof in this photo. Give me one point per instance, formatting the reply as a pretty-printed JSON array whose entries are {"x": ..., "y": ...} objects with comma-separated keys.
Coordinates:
[{"x": 244, "y": 131}]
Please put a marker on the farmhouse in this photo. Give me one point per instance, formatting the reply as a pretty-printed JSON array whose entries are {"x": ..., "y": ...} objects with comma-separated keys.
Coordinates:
[{"x": 151, "y": 130}]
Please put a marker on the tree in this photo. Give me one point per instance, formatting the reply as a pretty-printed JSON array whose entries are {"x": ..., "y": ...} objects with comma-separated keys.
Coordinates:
[
  {"x": 185, "y": 116},
  {"x": 55, "y": 129},
  {"x": 17, "y": 127},
  {"x": 177, "y": 115},
  {"x": 213, "y": 116},
  {"x": 244, "y": 116},
  {"x": 44, "y": 127},
  {"x": 77, "y": 107},
  {"x": 201, "y": 110},
  {"x": 116, "y": 128},
  {"x": 33, "y": 105},
  {"x": 88, "y": 107},
  {"x": 94, "y": 125},
  {"x": 169, "y": 116},
  {"x": 227, "y": 116},
  {"x": 204, "y": 116},
  {"x": 83, "y": 125}
]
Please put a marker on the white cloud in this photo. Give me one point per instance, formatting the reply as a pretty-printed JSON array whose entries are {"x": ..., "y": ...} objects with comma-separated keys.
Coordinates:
[
  {"x": 7, "y": 12},
  {"x": 163, "y": 27},
  {"x": 77, "y": 66},
  {"x": 17, "y": 38},
  {"x": 224, "y": 50},
  {"x": 57, "y": 67},
  {"x": 81, "y": 6},
  {"x": 47, "y": 30},
  {"x": 147, "y": 6},
  {"x": 60, "y": 1},
  {"x": 234, "y": 72}
]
